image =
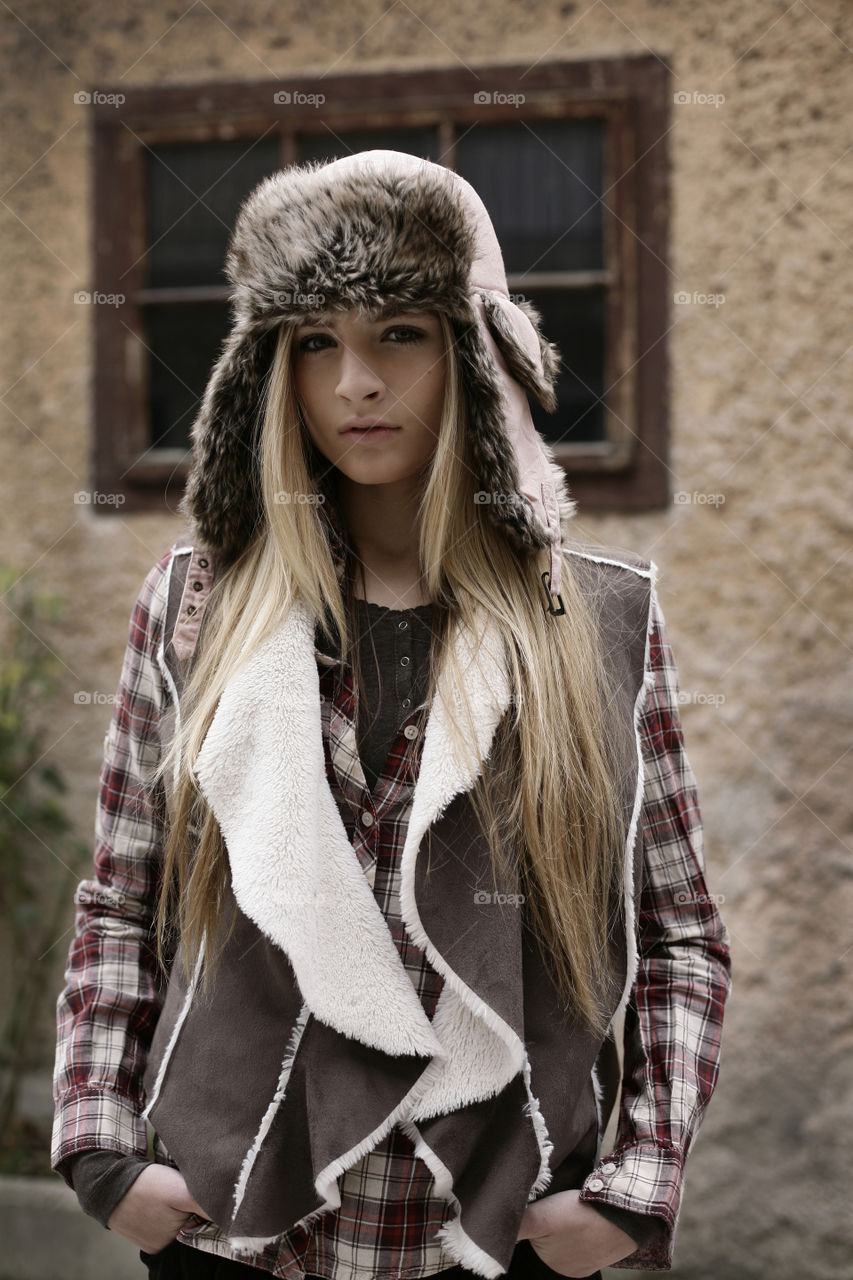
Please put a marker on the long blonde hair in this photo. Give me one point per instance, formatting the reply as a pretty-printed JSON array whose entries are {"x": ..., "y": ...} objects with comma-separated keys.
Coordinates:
[{"x": 547, "y": 798}]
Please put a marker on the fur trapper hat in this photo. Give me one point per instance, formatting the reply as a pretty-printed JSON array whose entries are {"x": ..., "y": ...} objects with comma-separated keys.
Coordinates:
[{"x": 373, "y": 229}]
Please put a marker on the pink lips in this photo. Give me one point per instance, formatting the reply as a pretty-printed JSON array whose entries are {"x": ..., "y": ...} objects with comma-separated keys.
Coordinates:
[{"x": 367, "y": 429}]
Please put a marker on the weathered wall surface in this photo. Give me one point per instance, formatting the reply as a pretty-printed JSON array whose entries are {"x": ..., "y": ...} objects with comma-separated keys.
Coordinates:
[{"x": 754, "y": 565}]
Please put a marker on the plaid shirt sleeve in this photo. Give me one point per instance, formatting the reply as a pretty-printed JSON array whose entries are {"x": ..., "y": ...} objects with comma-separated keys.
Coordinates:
[
  {"x": 107, "y": 1011},
  {"x": 673, "y": 1019}
]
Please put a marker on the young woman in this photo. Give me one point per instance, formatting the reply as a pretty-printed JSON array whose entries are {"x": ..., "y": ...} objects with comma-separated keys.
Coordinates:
[{"x": 395, "y": 824}]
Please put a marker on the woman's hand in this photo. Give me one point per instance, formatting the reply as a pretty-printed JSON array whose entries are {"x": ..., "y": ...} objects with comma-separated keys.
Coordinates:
[
  {"x": 154, "y": 1209},
  {"x": 571, "y": 1237}
]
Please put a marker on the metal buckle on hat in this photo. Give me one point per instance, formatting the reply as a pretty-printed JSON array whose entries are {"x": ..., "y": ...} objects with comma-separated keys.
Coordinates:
[{"x": 550, "y": 598}]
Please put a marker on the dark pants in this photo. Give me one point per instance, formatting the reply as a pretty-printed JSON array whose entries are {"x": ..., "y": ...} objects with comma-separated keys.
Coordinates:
[{"x": 182, "y": 1262}]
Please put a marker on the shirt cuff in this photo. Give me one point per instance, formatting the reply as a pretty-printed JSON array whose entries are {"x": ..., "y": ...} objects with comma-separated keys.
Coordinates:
[
  {"x": 92, "y": 1119},
  {"x": 645, "y": 1177},
  {"x": 101, "y": 1179}
]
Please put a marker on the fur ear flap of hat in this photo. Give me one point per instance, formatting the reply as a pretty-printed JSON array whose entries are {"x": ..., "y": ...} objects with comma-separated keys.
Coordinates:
[{"x": 372, "y": 230}]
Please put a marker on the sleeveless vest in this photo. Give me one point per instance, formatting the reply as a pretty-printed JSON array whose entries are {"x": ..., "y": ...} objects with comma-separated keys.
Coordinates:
[{"x": 309, "y": 1049}]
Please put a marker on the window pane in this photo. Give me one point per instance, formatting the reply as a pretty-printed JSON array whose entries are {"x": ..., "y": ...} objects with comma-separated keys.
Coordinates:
[
  {"x": 541, "y": 182},
  {"x": 574, "y": 321},
  {"x": 332, "y": 146},
  {"x": 185, "y": 341},
  {"x": 194, "y": 192}
]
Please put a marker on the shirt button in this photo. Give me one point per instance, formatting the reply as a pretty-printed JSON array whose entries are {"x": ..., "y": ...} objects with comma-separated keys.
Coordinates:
[
  {"x": 406, "y": 702},
  {"x": 595, "y": 1185},
  {"x": 402, "y": 625},
  {"x": 608, "y": 1167},
  {"x": 367, "y": 818},
  {"x": 411, "y": 731},
  {"x": 404, "y": 661}
]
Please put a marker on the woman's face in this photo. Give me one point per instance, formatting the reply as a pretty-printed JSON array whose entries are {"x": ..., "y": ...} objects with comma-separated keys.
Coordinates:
[{"x": 351, "y": 370}]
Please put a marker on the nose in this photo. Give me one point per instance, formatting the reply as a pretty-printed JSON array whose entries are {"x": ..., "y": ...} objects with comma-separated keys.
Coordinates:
[{"x": 357, "y": 378}]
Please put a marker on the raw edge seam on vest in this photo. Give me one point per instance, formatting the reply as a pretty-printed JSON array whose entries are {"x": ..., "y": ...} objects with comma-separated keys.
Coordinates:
[
  {"x": 532, "y": 1109},
  {"x": 599, "y": 1104},
  {"x": 633, "y": 958},
  {"x": 270, "y": 1113},
  {"x": 452, "y": 1235},
  {"x": 163, "y": 665},
  {"x": 620, "y": 564},
  {"x": 176, "y": 1031}
]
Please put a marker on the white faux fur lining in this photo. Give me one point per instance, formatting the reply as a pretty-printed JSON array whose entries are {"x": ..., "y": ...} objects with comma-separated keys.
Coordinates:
[
  {"x": 294, "y": 870},
  {"x": 262, "y": 770}
]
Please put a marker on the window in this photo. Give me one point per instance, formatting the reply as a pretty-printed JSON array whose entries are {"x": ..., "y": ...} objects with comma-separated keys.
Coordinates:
[{"x": 569, "y": 158}]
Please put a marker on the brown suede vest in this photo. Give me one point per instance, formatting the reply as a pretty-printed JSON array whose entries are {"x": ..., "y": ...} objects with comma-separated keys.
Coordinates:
[{"x": 253, "y": 1096}]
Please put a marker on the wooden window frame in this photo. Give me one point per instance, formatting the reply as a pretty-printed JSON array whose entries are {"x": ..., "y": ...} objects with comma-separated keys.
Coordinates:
[{"x": 630, "y": 471}]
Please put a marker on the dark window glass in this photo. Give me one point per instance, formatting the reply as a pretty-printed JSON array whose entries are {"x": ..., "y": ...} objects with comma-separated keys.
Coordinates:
[
  {"x": 185, "y": 340},
  {"x": 574, "y": 321},
  {"x": 194, "y": 192},
  {"x": 541, "y": 183}
]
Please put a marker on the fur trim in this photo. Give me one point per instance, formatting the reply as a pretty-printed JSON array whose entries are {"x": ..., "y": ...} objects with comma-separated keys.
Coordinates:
[{"x": 540, "y": 381}]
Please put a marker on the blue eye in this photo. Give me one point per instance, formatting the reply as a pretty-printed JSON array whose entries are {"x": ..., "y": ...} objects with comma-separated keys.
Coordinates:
[
  {"x": 415, "y": 335},
  {"x": 303, "y": 342}
]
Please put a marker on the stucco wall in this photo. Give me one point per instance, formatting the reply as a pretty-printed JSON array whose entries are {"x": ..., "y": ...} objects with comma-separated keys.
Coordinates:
[{"x": 754, "y": 567}]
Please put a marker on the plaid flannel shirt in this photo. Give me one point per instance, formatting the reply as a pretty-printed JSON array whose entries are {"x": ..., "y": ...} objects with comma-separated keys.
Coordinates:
[{"x": 388, "y": 1217}]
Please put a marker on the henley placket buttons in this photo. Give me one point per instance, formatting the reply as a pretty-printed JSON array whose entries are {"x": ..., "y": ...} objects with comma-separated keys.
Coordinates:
[
  {"x": 367, "y": 818},
  {"x": 411, "y": 731}
]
